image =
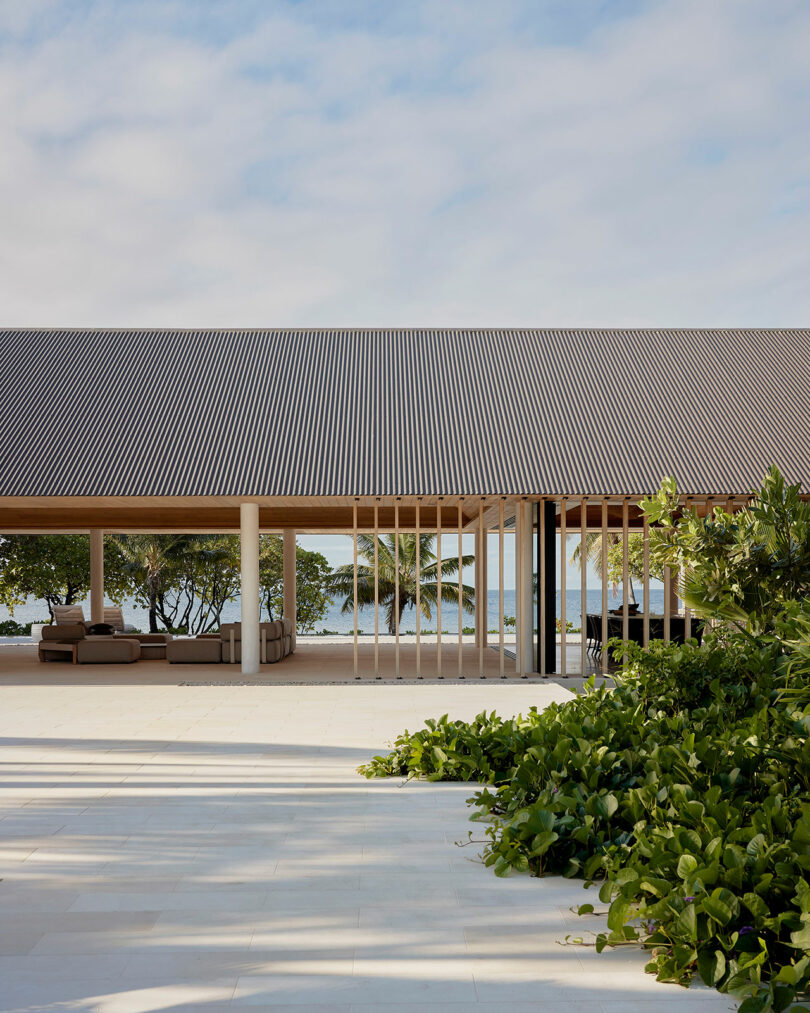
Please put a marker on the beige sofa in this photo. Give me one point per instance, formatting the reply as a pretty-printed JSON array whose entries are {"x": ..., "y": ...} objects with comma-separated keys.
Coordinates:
[
  {"x": 275, "y": 643},
  {"x": 153, "y": 645},
  {"x": 70, "y": 642}
]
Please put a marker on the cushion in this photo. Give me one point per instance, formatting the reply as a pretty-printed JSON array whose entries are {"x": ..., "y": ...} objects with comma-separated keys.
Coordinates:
[{"x": 68, "y": 633}]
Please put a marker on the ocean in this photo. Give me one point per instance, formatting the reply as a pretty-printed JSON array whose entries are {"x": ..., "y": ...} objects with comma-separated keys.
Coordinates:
[{"x": 336, "y": 622}]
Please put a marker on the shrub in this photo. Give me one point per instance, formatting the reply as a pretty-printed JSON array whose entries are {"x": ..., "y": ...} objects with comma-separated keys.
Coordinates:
[
  {"x": 684, "y": 791},
  {"x": 689, "y": 804}
]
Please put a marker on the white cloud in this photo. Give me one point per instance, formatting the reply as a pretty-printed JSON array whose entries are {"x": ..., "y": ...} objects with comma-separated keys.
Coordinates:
[{"x": 454, "y": 171}]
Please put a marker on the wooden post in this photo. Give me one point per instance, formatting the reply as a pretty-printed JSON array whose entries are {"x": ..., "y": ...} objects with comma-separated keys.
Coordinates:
[
  {"x": 460, "y": 586},
  {"x": 96, "y": 575},
  {"x": 482, "y": 588},
  {"x": 439, "y": 588},
  {"x": 646, "y": 556},
  {"x": 376, "y": 587},
  {"x": 604, "y": 657},
  {"x": 396, "y": 587},
  {"x": 500, "y": 588},
  {"x": 354, "y": 585},
  {"x": 687, "y": 614},
  {"x": 519, "y": 587},
  {"x": 563, "y": 585},
  {"x": 625, "y": 575},
  {"x": 418, "y": 547},
  {"x": 289, "y": 580},
  {"x": 542, "y": 578},
  {"x": 583, "y": 583}
]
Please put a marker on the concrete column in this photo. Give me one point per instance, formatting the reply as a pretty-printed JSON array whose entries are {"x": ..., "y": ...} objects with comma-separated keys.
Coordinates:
[
  {"x": 290, "y": 608},
  {"x": 96, "y": 576},
  {"x": 526, "y": 589},
  {"x": 249, "y": 562}
]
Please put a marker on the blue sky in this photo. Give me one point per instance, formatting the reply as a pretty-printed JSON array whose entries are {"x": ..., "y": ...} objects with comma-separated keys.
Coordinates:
[
  {"x": 245, "y": 162},
  {"x": 423, "y": 162}
]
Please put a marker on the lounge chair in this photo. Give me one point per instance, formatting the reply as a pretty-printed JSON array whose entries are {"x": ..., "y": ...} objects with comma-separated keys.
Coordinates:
[{"x": 69, "y": 614}]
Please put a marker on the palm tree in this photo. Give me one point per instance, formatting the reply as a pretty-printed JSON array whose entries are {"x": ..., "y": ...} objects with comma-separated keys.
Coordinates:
[
  {"x": 342, "y": 579},
  {"x": 593, "y": 554},
  {"x": 146, "y": 559}
]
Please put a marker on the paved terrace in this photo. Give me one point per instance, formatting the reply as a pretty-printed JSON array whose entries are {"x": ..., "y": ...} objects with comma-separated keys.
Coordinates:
[{"x": 211, "y": 848}]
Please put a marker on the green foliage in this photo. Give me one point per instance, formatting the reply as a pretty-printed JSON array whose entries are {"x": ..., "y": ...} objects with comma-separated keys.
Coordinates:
[
  {"x": 313, "y": 574},
  {"x": 389, "y": 577},
  {"x": 56, "y": 569},
  {"x": 685, "y": 790},
  {"x": 744, "y": 568},
  {"x": 613, "y": 561},
  {"x": 690, "y": 803},
  {"x": 10, "y": 628}
]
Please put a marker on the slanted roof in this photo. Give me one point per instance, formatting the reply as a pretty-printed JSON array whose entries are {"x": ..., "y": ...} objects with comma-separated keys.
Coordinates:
[{"x": 104, "y": 412}]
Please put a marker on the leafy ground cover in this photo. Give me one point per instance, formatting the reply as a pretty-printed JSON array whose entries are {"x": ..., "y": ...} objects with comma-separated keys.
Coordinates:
[{"x": 684, "y": 792}]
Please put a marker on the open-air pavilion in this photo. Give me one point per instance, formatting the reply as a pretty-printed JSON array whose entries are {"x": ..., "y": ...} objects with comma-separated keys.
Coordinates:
[{"x": 530, "y": 435}]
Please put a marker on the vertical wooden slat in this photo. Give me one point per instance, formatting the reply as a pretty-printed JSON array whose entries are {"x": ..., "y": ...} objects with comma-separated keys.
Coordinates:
[
  {"x": 542, "y": 577},
  {"x": 396, "y": 588},
  {"x": 687, "y": 614},
  {"x": 354, "y": 583},
  {"x": 519, "y": 588},
  {"x": 563, "y": 584},
  {"x": 709, "y": 514},
  {"x": 439, "y": 588},
  {"x": 482, "y": 605},
  {"x": 583, "y": 585},
  {"x": 625, "y": 574},
  {"x": 460, "y": 586},
  {"x": 500, "y": 588},
  {"x": 646, "y": 579},
  {"x": 418, "y": 547},
  {"x": 604, "y": 656},
  {"x": 667, "y": 608},
  {"x": 376, "y": 587}
]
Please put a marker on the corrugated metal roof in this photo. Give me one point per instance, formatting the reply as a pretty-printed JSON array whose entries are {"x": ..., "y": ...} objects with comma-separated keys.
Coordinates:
[{"x": 413, "y": 411}]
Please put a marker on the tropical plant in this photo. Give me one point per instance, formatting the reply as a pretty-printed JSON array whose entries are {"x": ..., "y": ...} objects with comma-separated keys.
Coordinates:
[
  {"x": 313, "y": 573},
  {"x": 203, "y": 578},
  {"x": 342, "y": 580},
  {"x": 615, "y": 559},
  {"x": 56, "y": 569},
  {"x": 151, "y": 560},
  {"x": 743, "y": 568},
  {"x": 685, "y": 791}
]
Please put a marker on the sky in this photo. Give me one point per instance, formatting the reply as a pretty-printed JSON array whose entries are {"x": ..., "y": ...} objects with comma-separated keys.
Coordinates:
[{"x": 424, "y": 162}]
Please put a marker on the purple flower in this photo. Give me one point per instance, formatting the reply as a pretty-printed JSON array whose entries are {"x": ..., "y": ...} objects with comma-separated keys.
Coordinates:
[
  {"x": 554, "y": 791},
  {"x": 689, "y": 899},
  {"x": 746, "y": 929}
]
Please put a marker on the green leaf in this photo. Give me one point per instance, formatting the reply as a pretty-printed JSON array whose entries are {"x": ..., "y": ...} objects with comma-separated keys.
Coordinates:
[
  {"x": 687, "y": 866},
  {"x": 711, "y": 966},
  {"x": 687, "y": 922},
  {"x": 605, "y": 806}
]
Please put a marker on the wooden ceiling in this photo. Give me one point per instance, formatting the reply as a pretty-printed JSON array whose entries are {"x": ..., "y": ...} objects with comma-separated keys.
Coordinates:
[{"x": 304, "y": 514}]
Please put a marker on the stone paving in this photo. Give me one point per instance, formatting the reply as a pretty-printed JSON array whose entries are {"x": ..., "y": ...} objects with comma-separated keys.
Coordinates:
[{"x": 212, "y": 848}]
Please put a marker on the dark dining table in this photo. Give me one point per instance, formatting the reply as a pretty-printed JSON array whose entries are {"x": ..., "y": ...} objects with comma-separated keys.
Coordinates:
[{"x": 635, "y": 628}]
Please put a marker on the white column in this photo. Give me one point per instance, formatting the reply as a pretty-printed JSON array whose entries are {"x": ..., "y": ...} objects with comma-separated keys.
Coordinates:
[
  {"x": 249, "y": 560},
  {"x": 526, "y": 589},
  {"x": 96, "y": 576},
  {"x": 289, "y": 578}
]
